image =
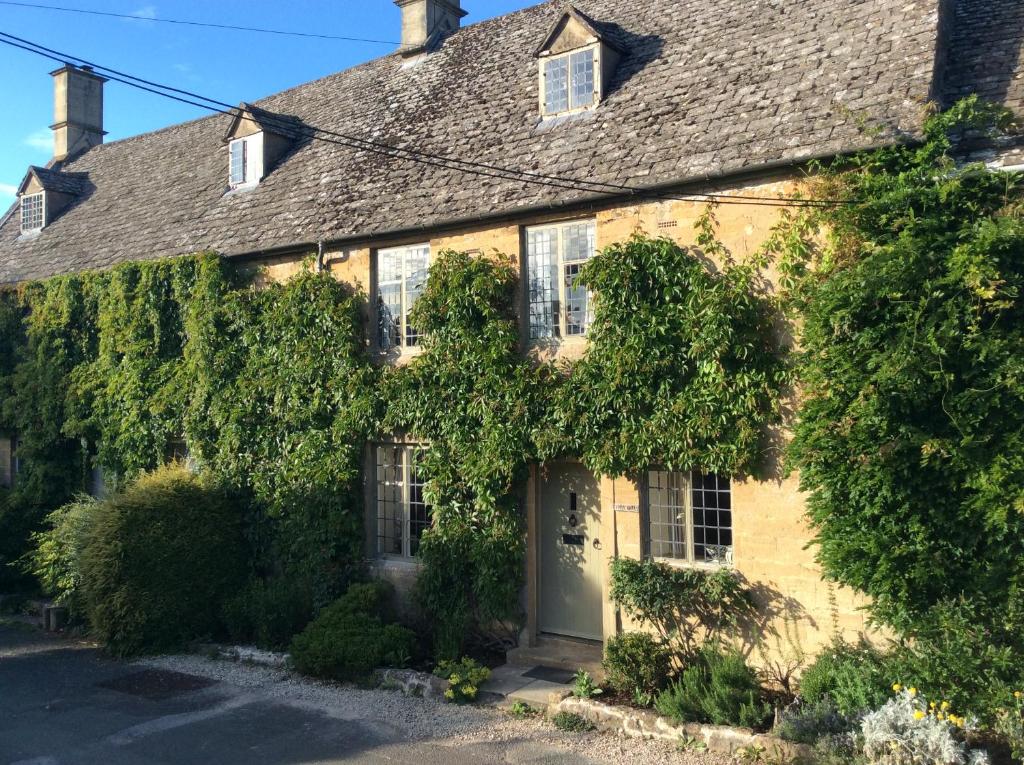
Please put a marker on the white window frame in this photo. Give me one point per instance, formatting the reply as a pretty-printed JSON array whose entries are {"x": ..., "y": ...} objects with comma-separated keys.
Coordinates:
[
  {"x": 252, "y": 161},
  {"x": 407, "y": 497},
  {"x": 716, "y": 555},
  {"x": 33, "y": 218},
  {"x": 571, "y": 103},
  {"x": 565, "y": 270},
  {"x": 407, "y": 337}
]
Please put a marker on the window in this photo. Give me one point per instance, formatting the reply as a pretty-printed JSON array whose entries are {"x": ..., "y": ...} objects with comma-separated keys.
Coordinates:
[
  {"x": 239, "y": 161},
  {"x": 401, "y": 277},
  {"x": 33, "y": 212},
  {"x": 690, "y": 517},
  {"x": 6, "y": 462},
  {"x": 569, "y": 82},
  {"x": 555, "y": 255},
  {"x": 402, "y": 514}
]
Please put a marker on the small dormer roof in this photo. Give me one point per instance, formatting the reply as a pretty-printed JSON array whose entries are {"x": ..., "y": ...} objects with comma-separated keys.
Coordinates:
[
  {"x": 589, "y": 26},
  {"x": 269, "y": 122},
  {"x": 54, "y": 180}
]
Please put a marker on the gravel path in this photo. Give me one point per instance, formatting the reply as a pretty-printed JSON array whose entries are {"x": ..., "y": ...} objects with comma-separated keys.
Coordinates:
[{"x": 424, "y": 719}]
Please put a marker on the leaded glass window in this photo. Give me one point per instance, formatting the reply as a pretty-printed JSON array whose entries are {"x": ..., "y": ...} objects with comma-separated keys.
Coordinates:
[
  {"x": 401, "y": 277},
  {"x": 558, "y": 306},
  {"x": 239, "y": 171},
  {"x": 569, "y": 81},
  {"x": 689, "y": 517},
  {"x": 33, "y": 211},
  {"x": 402, "y": 512}
]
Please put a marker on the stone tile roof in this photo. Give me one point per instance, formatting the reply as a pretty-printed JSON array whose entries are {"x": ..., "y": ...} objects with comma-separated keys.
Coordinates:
[
  {"x": 54, "y": 180},
  {"x": 704, "y": 87}
]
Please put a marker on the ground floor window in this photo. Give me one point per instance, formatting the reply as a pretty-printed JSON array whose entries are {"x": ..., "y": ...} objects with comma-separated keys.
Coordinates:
[
  {"x": 689, "y": 516},
  {"x": 7, "y": 459},
  {"x": 402, "y": 513}
]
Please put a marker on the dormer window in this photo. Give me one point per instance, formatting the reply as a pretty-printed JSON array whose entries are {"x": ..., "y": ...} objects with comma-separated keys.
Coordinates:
[
  {"x": 257, "y": 140},
  {"x": 33, "y": 212},
  {"x": 238, "y": 156},
  {"x": 576, "y": 63},
  {"x": 569, "y": 82}
]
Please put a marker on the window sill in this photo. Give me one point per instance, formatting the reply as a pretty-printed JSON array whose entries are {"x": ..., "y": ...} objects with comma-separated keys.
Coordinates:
[
  {"x": 382, "y": 562},
  {"x": 695, "y": 565}
]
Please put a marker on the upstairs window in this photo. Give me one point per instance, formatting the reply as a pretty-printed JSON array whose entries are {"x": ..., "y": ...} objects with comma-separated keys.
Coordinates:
[
  {"x": 554, "y": 257},
  {"x": 402, "y": 513},
  {"x": 569, "y": 82},
  {"x": 239, "y": 162},
  {"x": 401, "y": 277},
  {"x": 33, "y": 212},
  {"x": 689, "y": 517}
]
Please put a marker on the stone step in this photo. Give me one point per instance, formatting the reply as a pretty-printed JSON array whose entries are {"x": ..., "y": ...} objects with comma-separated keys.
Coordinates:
[{"x": 560, "y": 652}]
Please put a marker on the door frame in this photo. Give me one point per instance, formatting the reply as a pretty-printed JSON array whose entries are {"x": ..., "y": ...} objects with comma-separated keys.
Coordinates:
[{"x": 609, "y": 548}]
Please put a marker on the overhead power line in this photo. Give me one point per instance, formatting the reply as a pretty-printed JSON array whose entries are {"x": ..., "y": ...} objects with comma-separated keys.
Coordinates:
[
  {"x": 414, "y": 155},
  {"x": 232, "y": 27}
]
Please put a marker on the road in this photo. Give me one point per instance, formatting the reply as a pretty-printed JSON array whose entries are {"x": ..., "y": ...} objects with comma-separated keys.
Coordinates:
[{"x": 64, "y": 702}]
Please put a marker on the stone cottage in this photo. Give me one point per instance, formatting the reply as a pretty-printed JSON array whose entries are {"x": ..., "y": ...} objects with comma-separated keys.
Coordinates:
[{"x": 548, "y": 133}]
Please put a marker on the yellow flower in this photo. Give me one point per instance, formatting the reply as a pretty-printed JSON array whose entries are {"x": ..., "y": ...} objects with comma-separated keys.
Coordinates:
[
  {"x": 945, "y": 706},
  {"x": 1017, "y": 694},
  {"x": 931, "y": 705},
  {"x": 896, "y": 687},
  {"x": 918, "y": 714},
  {"x": 912, "y": 691},
  {"x": 939, "y": 716}
]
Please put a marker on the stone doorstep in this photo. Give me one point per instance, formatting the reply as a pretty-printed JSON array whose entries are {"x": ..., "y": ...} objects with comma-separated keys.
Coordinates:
[
  {"x": 644, "y": 723},
  {"x": 561, "y": 653},
  {"x": 508, "y": 684}
]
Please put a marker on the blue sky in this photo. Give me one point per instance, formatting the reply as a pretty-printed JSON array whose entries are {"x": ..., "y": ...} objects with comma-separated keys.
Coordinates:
[{"x": 225, "y": 65}]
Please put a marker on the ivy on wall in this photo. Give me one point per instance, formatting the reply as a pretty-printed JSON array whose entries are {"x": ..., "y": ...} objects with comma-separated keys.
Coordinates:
[
  {"x": 683, "y": 366},
  {"x": 475, "y": 400},
  {"x": 909, "y": 440}
]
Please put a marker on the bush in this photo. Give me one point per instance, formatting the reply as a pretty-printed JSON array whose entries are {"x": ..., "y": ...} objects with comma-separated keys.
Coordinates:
[
  {"x": 269, "y": 613},
  {"x": 572, "y": 722},
  {"x": 160, "y": 560},
  {"x": 351, "y": 637},
  {"x": 811, "y": 722},
  {"x": 464, "y": 678},
  {"x": 636, "y": 663},
  {"x": 901, "y": 732},
  {"x": 718, "y": 688},
  {"x": 685, "y": 605},
  {"x": 583, "y": 685},
  {"x": 855, "y": 678},
  {"x": 56, "y": 560}
]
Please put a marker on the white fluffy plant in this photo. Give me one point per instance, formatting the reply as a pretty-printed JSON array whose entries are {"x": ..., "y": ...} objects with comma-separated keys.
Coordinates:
[{"x": 902, "y": 732}]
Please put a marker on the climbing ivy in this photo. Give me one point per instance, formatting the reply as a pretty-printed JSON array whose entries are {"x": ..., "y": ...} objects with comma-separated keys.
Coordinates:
[
  {"x": 474, "y": 399},
  {"x": 909, "y": 440},
  {"x": 683, "y": 367}
]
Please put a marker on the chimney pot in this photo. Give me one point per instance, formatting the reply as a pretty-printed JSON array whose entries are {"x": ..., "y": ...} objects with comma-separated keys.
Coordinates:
[
  {"x": 426, "y": 21},
  {"x": 77, "y": 110}
]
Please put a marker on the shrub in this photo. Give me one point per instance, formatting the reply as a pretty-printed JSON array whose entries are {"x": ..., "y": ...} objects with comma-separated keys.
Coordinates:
[
  {"x": 464, "y": 678},
  {"x": 901, "y": 732},
  {"x": 718, "y": 688},
  {"x": 684, "y": 605},
  {"x": 160, "y": 560},
  {"x": 810, "y": 722},
  {"x": 350, "y": 638},
  {"x": 855, "y": 678},
  {"x": 56, "y": 560},
  {"x": 572, "y": 722},
  {"x": 1010, "y": 725},
  {"x": 636, "y": 663},
  {"x": 269, "y": 613}
]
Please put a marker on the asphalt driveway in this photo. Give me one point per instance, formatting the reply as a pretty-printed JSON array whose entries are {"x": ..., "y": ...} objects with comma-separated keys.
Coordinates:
[{"x": 64, "y": 702}]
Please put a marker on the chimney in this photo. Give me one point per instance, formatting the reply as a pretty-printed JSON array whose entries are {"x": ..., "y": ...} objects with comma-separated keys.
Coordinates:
[
  {"x": 77, "y": 110},
  {"x": 426, "y": 21}
]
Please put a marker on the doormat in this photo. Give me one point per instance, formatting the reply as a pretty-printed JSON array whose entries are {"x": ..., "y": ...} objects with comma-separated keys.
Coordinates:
[
  {"x": 551, "y": 675},
  {"x": 157, "y": 684}
]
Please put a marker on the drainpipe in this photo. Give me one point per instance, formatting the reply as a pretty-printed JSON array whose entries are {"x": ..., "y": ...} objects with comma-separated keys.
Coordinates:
[{"x": 320, "y": 256}]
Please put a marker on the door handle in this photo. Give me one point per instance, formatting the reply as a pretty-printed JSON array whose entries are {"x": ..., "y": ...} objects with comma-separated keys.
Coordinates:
[{"x": 597, "y": 544}]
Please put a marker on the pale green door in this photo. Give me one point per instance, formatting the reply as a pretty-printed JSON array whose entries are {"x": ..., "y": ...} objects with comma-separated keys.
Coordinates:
[{"x": 570, "y": 552}]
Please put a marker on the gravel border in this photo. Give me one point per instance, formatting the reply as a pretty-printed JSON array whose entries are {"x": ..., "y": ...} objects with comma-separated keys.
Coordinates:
[{"x": 421, "y": 719}]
